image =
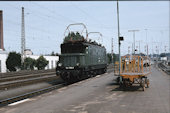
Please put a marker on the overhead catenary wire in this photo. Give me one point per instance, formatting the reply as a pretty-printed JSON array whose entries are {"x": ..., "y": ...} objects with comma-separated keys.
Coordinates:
[{"x": 54, "y": 12}]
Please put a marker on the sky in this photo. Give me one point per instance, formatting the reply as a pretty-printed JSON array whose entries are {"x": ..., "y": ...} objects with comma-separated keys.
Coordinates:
[{"x": 46, "y": 22}]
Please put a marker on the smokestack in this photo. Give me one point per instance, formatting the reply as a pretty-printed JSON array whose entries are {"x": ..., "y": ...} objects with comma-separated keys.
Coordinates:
[{"x": 1, "y": 31}]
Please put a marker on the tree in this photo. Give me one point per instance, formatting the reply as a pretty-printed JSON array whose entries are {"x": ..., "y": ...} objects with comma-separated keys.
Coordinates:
[
  {"x": 53, "y": 54},
  {"x": 13, "y": 61},
  {"x": 109, "y": 58},
  {"x": 29, "y": 63},
  {"x": 41, "y": 63}
]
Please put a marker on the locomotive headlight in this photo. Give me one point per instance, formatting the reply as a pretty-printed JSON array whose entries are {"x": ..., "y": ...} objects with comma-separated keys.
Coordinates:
[
  {"x": 78, "y": 64},
  {"x": 60, "y": 64}
]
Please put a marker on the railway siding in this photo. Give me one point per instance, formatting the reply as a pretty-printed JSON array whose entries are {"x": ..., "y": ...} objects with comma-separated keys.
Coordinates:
[{"x": 164, "y": 67}]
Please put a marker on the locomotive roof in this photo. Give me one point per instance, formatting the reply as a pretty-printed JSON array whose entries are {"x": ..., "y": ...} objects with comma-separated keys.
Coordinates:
[{"x": 83, "y": 43}]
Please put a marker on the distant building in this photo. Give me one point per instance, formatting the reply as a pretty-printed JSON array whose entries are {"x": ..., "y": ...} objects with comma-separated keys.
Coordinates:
[
  {"x": 3, "y": 57},
  {"x": 28, "y": 52},
  {"x": 164, "y": 56},
  {"x": 52, "y": 60}
]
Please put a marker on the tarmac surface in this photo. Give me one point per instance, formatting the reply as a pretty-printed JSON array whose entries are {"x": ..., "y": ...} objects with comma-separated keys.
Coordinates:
[{"x": 100, "y": 95}]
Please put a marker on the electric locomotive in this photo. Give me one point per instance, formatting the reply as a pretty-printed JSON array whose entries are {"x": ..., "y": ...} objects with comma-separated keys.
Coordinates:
[{"x": 80, "y": 58}]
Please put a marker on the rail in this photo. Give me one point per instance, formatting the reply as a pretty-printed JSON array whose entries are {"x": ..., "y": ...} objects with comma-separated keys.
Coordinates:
[
  {"x": 165, "y": 68},
  {"x": 12, "y": 84},
  {"x": 37, "y": 92},
  {"x": 24, "y": 72},
  {"x": 23, "y": 76}
]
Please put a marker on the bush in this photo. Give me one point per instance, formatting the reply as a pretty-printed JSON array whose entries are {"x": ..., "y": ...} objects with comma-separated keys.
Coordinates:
[
  {"x": 13, "y": 61},
  {"x": 41, "y": 63},
  {"x": 29, "y": 63}
]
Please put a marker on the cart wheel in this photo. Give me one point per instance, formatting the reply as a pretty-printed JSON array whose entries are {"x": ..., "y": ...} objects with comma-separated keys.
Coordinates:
[
  {"x": 118, "y": 79},
  {"x": 143, "y": 84},
  {"x": 143, "y": 88},
  {"x": 147, "y": 83}
]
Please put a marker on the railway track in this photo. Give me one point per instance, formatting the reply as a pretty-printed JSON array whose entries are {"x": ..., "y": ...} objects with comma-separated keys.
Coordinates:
[
  {"x": 25, "y": 73},
  {"x": 165, "y": 68},
  {"x": 13, "y": 80},
  {"x": 17, "y": 79},
  {"x": 35, "y": 93},
  {"x": 20, "y": 77},
  {"x": 17, "y": 83},
  {"x": 28, "y": 95}
]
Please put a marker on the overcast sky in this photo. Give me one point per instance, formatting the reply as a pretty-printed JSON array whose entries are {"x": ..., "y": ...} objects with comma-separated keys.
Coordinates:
[{"x": 45, "y": 23}]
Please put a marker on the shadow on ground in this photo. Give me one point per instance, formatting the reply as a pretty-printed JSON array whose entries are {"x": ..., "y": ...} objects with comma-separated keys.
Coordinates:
[{"x": 117, "y": 87}]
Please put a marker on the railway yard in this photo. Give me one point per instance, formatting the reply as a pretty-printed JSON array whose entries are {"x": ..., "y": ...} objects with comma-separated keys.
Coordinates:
[
  {"x": 100, "y": 94},
  {"x": 77, "y": 57}
]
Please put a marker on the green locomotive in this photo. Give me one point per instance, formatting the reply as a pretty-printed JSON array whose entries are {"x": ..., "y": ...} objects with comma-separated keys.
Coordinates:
[{"x": 80, "y": 58}]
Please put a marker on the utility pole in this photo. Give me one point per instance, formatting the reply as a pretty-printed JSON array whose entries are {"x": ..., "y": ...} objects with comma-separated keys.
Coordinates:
[
  {"x": 165, "y": 49},
  {"x": 112, "y": 51},
  {"x": 139, "y": 45},
  {"x": 129, "y": 50},
  {"x": 119, "y": 39},
  {"x": 146, "y": 42},
  {"x": 157, "y": 51},
  {"x": 22, "y": 36},
  {"x": 133, "y": 38},
  {"x": 152, "y": 48},
  {"x": 169, "y": 28},
  {"x": 145, "y": 48},
  {"x": 137, "y": 48},
  {"x": 132, "y": 48}
]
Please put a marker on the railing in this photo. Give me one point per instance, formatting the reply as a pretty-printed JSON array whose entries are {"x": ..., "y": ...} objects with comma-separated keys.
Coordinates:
[{"x": 133, "y": 64}]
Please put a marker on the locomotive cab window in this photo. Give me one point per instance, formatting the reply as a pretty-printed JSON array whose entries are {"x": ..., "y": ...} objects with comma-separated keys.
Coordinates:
[{"x": 73, "y": 48}]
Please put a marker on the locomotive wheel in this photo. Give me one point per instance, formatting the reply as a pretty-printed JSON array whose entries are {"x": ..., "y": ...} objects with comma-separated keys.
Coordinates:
[
  {"x": 94, "y": 73},
  {"x": 100, "y": 71},
  {"x": 105, "y": 69},
  {"x": 91, "y": 74},
  {"x": 118, "y": 79}
]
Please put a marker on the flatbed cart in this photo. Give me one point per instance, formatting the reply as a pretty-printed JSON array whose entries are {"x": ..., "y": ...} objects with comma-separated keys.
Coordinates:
[{"x": 134, "y": 70}]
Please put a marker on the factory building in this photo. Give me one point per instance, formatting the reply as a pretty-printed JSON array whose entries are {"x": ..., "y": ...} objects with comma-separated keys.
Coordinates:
[
  {"x": 3, "y": 54},
  {"x": 3, "y": 57},
  {"x": 1, "y": 31}
]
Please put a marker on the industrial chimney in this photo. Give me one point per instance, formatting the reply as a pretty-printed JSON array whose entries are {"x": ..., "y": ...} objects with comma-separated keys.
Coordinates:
[{"x": 1, "y": 31}]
